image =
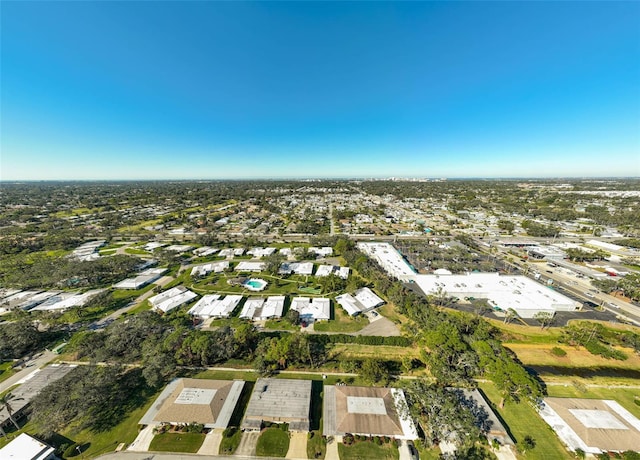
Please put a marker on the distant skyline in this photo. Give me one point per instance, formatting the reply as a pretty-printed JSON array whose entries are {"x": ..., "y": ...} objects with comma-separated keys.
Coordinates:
[{"x": 239, "y": 90}]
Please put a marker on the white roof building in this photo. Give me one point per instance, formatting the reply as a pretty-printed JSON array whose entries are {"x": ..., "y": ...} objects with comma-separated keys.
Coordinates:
[
  {"x": 212, "y": 306},
  {"x": 245, "y": 266},
  {"x": 350, "y": 304},
  {"x": 258, "y": 308},
  {"x": 66, "y": 300},
  {"x": 326, "y": 270},
  {"x": 204, "y": 251},
  {"x": 261, "y": 252},
  {"x": 179, "y": 248},
  {"x": 322, "y": 252},
  {"x": 205, "y": 269},
  {"x": 389, "y": 259},
  {"x": 318, "y": 309},
  {"x": 519, "y": 293},
  {"x": 153, "y": 245},
  {"x": 368, "y": 299},
  {"x": 142, "y": 279},
  {"x": 173, "y": 298},
  {"x": 299, "y": 268},
  {"x": 25, "y": 447}
]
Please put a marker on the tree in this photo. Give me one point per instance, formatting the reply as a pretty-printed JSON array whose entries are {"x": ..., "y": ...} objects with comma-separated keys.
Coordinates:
[
  {"x": 545, "y": 318},
  {"x": 373, "y": 371},
  {"x": 5, "y": 403},
  {"x": 528, "y": 443},
  {"x": 273, "y": 262},
  {"x": 506, "y": 225}
]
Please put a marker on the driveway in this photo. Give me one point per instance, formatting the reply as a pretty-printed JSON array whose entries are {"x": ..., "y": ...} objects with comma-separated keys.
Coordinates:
[
  {"x": 380, "y": 327},
  {"x": 211, "y": 444},
  {"x": 297, "y": 445},
  {"x": 248, "y": 443},
  {"x": 332, "y": 449},
  {"x": 143, "y": 440}
]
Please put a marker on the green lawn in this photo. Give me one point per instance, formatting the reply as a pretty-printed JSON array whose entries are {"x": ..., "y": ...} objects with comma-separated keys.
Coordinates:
[
  {"x": 341, "y": 322},
  {"x": 316, "y": 445},
  {"x": 230, "y": 441},
  {"x": 107, "y": 252},
  {"x": 177, "y": 442},
  {"x": 136, "y": 251},
  {"x": 107, "y": 441},
  {"x": 131, "y": 293},
  {"x": 625, "y": 397},
  {"x": 5, "y": 370},
  {"x": 522, "y": 420},
  {"x": 279, "y": 324},
  {"x": 273, "y": 442},
  {"x": 366, "y": 450}
]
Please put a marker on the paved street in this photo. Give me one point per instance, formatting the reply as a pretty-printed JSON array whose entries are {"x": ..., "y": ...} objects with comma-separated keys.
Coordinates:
[{"x": 35, "y": 364}]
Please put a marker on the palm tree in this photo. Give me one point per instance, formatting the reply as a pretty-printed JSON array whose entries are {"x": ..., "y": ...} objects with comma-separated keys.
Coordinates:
[{"x": 5, "y": 403}]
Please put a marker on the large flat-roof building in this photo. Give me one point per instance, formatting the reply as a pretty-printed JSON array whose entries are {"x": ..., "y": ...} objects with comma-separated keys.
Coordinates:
[
  {"x": 143, "y": 278},
  {"x": 593, "y": 425},
  {"x": 389, "y": 259},
  {"x": 519, "y": 293},
  {"x": 279, "y": 401},
  {"x": 208, "y": 402},
  {"x": 367, "y": 411}
]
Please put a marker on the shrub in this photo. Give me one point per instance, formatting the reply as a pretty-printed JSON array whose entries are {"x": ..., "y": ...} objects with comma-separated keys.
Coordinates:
[
  {"x": 377, "y": 440},
  {"x": 71, "y": 451},
  {"x": 347, "y": 439},
  {"x": 557, "y": 351}
]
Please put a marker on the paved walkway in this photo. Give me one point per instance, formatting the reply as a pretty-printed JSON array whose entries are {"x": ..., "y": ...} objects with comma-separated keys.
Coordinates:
[
  {"x": 297, "y": 446},
  {"x": 332, "y": 449},
  {"x": 143, "y": 440},
  {"x": 211, "y": 444},
  {"x": 405, "y": 453},
  {"x": 505, "y": 453},
  {"x": 248, "y": 443}
]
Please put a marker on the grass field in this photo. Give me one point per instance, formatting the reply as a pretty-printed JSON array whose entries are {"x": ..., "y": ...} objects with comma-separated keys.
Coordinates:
[
  {"x": 342, "y": 322},
  {"x": 273, "y": 442},
  {"x": 522, "y": 420},
  {"x": 177, "y": 442},
  {"x": 5, "y": 370},
  {"x": 540, "y": 355},
  {"x": 366, "y": 450},
  {"x": 355, "y": 350}
]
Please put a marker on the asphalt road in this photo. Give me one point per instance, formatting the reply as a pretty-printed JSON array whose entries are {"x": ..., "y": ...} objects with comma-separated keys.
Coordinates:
[{"x": 34, "y": 364}]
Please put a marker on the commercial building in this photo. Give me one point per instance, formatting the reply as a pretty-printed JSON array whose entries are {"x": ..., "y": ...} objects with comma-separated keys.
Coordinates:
[
  {"x": 389, "y": 259},
  {"x": 519, "y": 293},
  {"x": 311, "y": 310},
  {"x": 368, "y": 411},
  {"x": 173, "y": 298},
  {"x": 26, "y": 447},
  {"x": 592, "y": 425},
  {"x": 212, "y": 306},
  {"x": 208, "y": 402},
  {"x": 279, "y": 401}
]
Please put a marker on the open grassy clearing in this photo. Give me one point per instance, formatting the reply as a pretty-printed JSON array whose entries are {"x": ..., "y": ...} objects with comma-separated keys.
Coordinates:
[
  {"x": 342, "y": 322},
  {"x": 280, "y": 324},
  {"x": 540, "y": 355},
  {"x": 6, "y": 370},
  {"x": 136, "y": 251},
  {"x": 518, "y": 333},
  {"x": 628, "y": 398},
  {"x": 522, "y": 420},
  {"x": 366, "y": 450},
  {"x": 177, "y": 442},
  {"x": 273, "y": 442},
  {"x": 355, "y": 350},
  {"x": 107, "y": 252}
]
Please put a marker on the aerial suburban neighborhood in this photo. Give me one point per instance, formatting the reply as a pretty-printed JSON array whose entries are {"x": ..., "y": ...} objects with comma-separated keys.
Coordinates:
[{"x": 321, "y": 319}]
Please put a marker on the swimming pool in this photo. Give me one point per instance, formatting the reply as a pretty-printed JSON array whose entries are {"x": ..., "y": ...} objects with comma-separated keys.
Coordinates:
[{"x": 255, "y": 284}]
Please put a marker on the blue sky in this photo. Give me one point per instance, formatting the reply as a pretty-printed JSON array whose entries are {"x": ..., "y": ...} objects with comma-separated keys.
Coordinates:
[{"x": 153, "y": 90}]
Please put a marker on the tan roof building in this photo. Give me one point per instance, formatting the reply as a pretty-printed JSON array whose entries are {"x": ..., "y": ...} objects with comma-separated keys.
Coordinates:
[
  {"x": 279, "y": 401},
  {"x": 209, "y": 402},
  {"x": 593, "y": 425},
  {"x": 369, "y": 411}
]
